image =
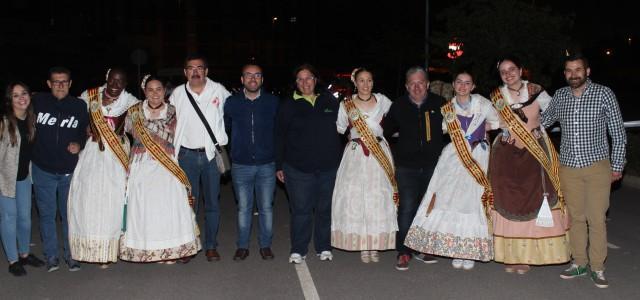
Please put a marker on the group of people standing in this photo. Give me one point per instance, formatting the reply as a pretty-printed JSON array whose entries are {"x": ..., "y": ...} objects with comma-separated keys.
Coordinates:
[{"x": 393, "y": 183}]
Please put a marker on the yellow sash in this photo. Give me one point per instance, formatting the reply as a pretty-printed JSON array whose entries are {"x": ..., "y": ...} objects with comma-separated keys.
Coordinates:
[
  {"x": 137, "y": 115},
  {"x": 104, "y": 131},
  {"x": 549, "y": 162},
  {"x": 460, "y": 143},
  {"x": 371, "y": 142}
]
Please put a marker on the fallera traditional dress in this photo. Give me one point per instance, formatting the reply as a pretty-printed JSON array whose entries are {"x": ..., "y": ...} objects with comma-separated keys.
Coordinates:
[
  {"x": 160, "y": 224},
  {"x": 519, "y": 182},
  {"x": 363, "y": 214},
  {"x": 97, "y": 191},
  {"x": 457, "y": 225}
]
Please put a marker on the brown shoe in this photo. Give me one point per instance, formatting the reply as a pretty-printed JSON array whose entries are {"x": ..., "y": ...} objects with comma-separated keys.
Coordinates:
[
  {"x": 266, "y": 253},
  {"x": 212, "y": 255},
  {"x": 241, "y": 254}
]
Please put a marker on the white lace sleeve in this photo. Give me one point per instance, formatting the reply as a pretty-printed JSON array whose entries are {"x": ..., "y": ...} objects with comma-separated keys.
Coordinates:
[{"x": 343, "y": 121}]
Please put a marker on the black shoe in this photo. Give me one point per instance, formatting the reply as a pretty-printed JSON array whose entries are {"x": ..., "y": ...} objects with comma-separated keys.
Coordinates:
[
  {"x": 17, "y": 269},
  {"x": 31, "y": 260},
  {"x": 266, "y": 253},
  {"x": 241, "y": 254}
]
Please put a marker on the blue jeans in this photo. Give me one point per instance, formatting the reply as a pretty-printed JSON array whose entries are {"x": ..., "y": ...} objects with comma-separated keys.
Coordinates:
[
  {"x": 200, "y": 170},
  {"x": 15, "y": 221},
  {"x": 412, "y": 184},
  {"x": 260, "y": 181},
  {"x": 308, "y": 192},
  {"x": 52, "y": 193}
]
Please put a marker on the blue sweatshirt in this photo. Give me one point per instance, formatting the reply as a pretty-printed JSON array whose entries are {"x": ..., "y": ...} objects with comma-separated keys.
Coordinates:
[
  {"x": 252, "y": 127},
  {"x": 58, "y": 123}
]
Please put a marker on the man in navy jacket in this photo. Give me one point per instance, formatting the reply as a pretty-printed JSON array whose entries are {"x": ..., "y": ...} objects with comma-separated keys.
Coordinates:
[
  {"x": 61, "y": 122},
  {"x": 250, "y": 118}
]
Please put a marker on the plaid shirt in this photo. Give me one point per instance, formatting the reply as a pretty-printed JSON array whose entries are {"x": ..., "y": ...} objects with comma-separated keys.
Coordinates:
[{"x": 584, "y": 121}]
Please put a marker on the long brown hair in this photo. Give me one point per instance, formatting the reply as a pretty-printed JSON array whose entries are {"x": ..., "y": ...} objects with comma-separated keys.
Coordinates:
[{"x": 10, "y": 115}]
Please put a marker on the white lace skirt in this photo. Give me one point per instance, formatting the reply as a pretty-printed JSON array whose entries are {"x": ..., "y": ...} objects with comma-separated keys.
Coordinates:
[{"x": 363, "y": 216}]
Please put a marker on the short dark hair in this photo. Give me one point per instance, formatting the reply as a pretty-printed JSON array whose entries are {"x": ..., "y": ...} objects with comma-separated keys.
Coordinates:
[
  {"x": 307, "y": 67},
  {"x": 313, "y": 71},
  {"x": 577, "y": 56},
  {"x": 194, "y": 56},
  {"x": 245, "y": 66},
  {"x": 59, "y": 70}
]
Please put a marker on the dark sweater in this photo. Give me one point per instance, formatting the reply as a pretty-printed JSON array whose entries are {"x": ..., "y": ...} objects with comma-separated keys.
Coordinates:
[
  {"x": 58, "y": 123},
  {"x": 306, "y": 135},
  {"x": 25, "y": 150},
  {"x": 412, "y": 150},
  {"x": 252, "y": 128}
]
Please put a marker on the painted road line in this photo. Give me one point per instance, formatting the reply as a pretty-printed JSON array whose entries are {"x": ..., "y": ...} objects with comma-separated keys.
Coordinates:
[
  {"x": 612, "y": 246},
  {"x": 306, "y": 281}
]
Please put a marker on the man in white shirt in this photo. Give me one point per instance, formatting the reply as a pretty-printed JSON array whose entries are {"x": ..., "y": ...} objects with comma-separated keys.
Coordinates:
[{"x": 194, "y": 147}]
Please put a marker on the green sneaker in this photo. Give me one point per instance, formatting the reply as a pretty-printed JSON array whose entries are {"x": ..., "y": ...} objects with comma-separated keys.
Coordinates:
[
  {"x": 574, "y": 271},
  {"x": 599, "y": 280}
]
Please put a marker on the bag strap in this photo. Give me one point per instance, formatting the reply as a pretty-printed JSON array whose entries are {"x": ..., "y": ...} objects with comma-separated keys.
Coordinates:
[{"x": 202, "y": 118}]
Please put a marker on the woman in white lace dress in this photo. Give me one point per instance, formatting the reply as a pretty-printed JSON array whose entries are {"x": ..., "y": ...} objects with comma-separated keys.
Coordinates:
[{"x": 363, "y": 211}]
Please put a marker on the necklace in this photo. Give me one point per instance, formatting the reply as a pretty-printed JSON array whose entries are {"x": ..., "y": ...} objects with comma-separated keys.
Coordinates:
[
  {"x": 154, "y": 108},
  {"x": 370, "y": 96},
  {"x": 517, "y": 90}
]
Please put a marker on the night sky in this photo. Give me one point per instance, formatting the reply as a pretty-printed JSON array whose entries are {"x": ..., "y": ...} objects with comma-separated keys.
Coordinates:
[{"x": 388, "y": 36}]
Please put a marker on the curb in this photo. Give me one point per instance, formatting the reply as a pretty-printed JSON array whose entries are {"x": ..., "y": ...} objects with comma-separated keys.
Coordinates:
[{"x": 631, "y": 181}]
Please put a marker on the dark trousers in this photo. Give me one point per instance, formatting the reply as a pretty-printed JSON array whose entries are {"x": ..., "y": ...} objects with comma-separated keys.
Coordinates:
[
  {"x": 412, "y": 184},
  {"x": 310, "y": 204}
]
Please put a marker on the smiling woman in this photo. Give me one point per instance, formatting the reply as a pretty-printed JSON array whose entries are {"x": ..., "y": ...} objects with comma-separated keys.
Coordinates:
[
  {"x": 160, "y": 224},
  {"x": 17, "y": 131},
  {"x": 96, "y": 196}
]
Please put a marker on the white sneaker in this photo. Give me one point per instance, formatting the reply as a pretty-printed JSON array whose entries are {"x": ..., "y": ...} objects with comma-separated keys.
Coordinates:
[
  {"x": 365, "y": 256},
  {"x": 468, "y": 264},
  {"x": 457, "y": 263},
  {"x": 296, "y": 258},
  {"x": 325, "y": 255},
  {"x": 375, "y": 257}
]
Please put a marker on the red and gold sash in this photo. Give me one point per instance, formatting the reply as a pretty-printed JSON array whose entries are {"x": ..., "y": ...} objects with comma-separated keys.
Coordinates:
[
  {"x": 549, "y": 161},
  {"x": 104, "y": 131},
  {"x": 371, "y": 142},
  {"x": 460, "y": 143},
  {"x": 137, "y": 115}
]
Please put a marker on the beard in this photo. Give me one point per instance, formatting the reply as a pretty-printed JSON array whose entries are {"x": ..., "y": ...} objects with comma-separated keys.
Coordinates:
[{"x": 576, "y": 82}]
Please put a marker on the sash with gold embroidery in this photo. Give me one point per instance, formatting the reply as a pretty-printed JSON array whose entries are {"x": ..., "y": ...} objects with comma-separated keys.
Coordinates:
[
  {"x": 472, "y": 166},
  {"x": 371, "y": 142},
  {"x": 104, "y": 131},
  {"x": 549, "y": 161},
  {"x": 155, "y": 149}
]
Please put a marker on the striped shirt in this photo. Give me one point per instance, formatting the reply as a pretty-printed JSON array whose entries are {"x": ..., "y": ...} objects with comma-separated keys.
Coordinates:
[{"x": 585, "y": 121}]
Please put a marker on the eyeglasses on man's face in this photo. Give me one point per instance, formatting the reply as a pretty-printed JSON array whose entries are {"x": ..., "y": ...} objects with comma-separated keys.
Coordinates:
[
  {"x": 256, "y": 75},
  {"x": 59, "y": 82},
  {"x": 199, "y": 68}
]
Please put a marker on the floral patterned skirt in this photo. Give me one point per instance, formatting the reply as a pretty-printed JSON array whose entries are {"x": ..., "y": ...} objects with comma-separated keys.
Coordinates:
[{"x": 456, "y": 226}]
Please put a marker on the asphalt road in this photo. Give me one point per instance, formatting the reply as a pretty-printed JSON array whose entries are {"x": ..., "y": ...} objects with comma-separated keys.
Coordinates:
[{"x": 343, "y": 278}]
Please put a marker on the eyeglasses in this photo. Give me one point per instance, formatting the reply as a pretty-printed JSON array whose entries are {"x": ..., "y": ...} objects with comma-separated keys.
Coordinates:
[
  {"x": 299, "y": 79},
  {"x": 252, "y": 75},
  {"x": 195, "y": 68},
  {"x": 59, "y": 82}
]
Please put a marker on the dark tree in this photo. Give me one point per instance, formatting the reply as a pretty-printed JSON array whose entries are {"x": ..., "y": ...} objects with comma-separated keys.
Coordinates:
[{"x": 493, "y": 28}]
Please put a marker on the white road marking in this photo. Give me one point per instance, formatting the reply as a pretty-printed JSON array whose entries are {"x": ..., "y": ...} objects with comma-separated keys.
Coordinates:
[
  {"x": 306, "y": 282},
  {"x": 612, "y": 246}
]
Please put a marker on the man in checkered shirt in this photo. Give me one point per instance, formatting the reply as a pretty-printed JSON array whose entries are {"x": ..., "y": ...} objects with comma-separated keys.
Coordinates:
[{"x": 586, "y": 112}]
